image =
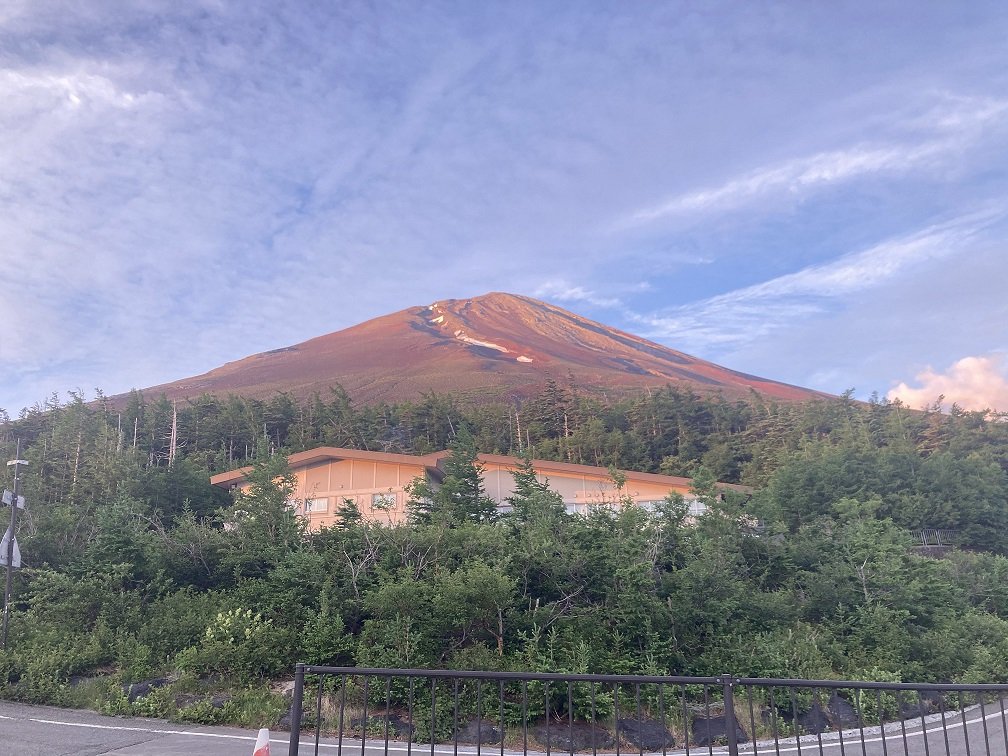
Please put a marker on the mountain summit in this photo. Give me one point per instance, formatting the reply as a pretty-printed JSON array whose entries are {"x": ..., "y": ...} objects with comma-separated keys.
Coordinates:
[{"x": 495, "y": 344}]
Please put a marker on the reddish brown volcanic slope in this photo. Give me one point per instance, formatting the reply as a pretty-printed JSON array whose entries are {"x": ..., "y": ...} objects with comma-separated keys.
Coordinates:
[{"x": 490, "y": 345}]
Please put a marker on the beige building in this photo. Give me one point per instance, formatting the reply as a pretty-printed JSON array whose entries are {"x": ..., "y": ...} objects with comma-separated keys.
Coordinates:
[{"x": 376, "y": 482}]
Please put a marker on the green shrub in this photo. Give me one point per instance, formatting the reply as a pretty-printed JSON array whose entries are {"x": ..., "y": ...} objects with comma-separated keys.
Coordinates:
[{"x": 240, "y": 643}]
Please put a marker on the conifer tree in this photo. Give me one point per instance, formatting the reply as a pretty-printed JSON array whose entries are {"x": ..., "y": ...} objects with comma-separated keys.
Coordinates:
[{"x": 461, "y": 496}]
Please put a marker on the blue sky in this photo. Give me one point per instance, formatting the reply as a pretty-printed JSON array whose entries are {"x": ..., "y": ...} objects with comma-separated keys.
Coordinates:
[{"x": 812, "y": 192}]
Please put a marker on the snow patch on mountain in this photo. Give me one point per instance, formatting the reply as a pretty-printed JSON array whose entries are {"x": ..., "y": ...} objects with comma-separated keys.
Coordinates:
[{"x": 461, "y": 336}]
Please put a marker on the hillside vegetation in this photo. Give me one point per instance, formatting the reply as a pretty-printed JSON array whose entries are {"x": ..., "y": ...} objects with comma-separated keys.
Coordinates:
[{"x": 136, "y": 567}]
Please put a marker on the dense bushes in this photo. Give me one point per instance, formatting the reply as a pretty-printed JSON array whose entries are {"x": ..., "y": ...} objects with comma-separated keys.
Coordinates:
[{"x": 137, "y": 569}]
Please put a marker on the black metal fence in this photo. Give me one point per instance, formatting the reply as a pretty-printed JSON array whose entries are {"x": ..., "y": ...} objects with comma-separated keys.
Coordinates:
[{"x": 440, "y": 712}]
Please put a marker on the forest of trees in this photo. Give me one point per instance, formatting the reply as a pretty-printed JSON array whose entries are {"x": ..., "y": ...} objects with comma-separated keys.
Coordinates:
[{"x": 135, "y": 566}]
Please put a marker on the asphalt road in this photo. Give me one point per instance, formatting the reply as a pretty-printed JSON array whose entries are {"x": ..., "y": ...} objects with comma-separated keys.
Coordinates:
[
  {"x": 982, "y": 733},
  {"x": 46, "y": 731}
]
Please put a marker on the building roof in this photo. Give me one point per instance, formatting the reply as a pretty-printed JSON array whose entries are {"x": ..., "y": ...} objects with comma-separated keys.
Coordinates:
[
  {"x": 432, "y": 463},
  {"x": 327, "y": 453},
  {"x": 569, "y": 468}
]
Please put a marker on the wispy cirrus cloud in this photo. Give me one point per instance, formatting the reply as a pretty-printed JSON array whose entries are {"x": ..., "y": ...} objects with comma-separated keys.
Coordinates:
[
  {"x": 562, "y": 291},
  {"x": 938, "y": 134},
  {"x": 757, "y": 311},
  {"x": 207, "y": 176}
]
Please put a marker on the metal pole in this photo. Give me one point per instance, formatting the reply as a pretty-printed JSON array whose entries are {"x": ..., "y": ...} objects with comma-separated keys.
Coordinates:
[
  {"x": 296, "y": 709},
  {"x": 16, "y": 464},
  {"x": 731, "y": 729}
]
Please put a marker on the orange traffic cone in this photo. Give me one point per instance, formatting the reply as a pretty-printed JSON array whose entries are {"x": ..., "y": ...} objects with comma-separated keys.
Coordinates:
[{"x": 262, "y": 743}]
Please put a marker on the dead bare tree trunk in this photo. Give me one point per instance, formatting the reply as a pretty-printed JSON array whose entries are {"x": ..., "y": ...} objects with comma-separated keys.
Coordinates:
[{"x": 174, "y": 435}]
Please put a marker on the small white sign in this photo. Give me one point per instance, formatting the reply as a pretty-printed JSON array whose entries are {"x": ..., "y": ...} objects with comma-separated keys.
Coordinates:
[
  {"x": 16, "y": 556},
  {"x": 8, "y": 497}
]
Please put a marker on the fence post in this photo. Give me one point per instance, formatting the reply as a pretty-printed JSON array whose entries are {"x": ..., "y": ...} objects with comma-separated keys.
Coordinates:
[
  {"x": 731, "y": 728},
  {"x": 296, "y": 711}
]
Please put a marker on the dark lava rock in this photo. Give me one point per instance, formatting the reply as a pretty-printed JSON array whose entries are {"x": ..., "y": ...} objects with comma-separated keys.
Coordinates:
[
  {"x": 838, "y": 714},
  {"x": 579, "y": 737},
  {"x": 814, "y": 720},
  {"x": 376, "y": 725},
  {"x": 284, "y": 723},
  {"x": 141, "y": 689},
  {"x": 842, "y": 713},
  {"x": 478, "y": 732},
  {"x": 707, "y": 731},
  {"x": 401, "y": 727},
  {"x": 646, "y": 733},
  {"x": 912, "y": 707}
]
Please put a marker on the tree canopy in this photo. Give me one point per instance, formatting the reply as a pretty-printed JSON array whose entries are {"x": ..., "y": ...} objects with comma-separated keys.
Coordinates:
[{"x": 134, "y": 563}]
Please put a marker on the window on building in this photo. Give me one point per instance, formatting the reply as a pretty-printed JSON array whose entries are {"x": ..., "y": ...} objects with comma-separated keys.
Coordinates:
[
  {"x": 383, "y": 501},
  {"x": 696, "y": 507},
  {"x": 317, "y": 505}
]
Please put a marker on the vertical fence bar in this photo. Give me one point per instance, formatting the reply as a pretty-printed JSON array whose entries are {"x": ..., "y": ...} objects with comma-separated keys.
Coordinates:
[
  {"x": 433, "y": 704},
  {"x": 773, "y": 722},
  {"x": 546, "y": 703},
  {"x": 815, "y": 700},
  {"x": 983, "y": 718},
  {"x": 455, "y": 714},
  {"x": 364, "y": 722},
  {"x": 342, "y": 711},
  {"x": 412, "y": 726},
  {"x": 388, "y": 708},
  {"x": 858, "y": 692},
  {"x": 502, "y": 729},
  {"x": 594, "y": 721},
  {"x": 570, "y": 717},
  {"x": 924, "y": 733},
  {"x": 836, "y": 693},
  {"x": 318, "y": 712},
  {"x": 731, "y": 728},
  {"x": 295, "y": 733},
  {"x": 752, "y": 717},
  {"x": 906, "y": 745},
  {"x": 881, "y": 722},
  {"x": 664, "y": 725},
  {"x": 479, "y": 715},
  {"x": 640, "y": 740},
  {"x": 616, "y": 714},
  {"x": 1004, "y": 723},
  {"x": 962, "y": 711},
  {"x": 794, "y": 720},
  {"x": 948, "y": 752},
  {"x": 524, "y": 689},
  {"x": 686, "y": 722},
  {"x": 710, "y": 737}
]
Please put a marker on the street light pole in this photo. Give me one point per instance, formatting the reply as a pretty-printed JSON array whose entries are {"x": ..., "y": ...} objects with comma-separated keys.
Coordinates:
[{"x": 16, "y": 464}]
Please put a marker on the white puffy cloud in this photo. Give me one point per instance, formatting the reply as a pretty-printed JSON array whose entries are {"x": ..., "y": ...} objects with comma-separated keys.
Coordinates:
[{"x": 974, "y": 383}]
